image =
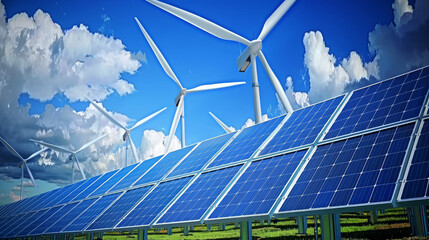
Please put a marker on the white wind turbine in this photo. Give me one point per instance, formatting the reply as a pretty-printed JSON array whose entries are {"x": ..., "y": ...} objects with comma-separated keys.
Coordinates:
[
  {"x": 72, "y": 153},
  {"x": 23, "y": 162},
  {"x": 126, "y": 137},
  {"x": 179, "y": 101},
  {"x": 223, "y": 125},
  {"x": 249, "y": 55}
]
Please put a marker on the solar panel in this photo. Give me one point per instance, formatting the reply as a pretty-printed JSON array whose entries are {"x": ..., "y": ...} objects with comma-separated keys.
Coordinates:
[
  {"x": 94, "y": 185},
  {"x": 113, "y": 180},
  {"x": 355, "y": 171},
  {"x": 246, "y": 143},
  {"x": 390, "y": 101},
  {"x": 70, "y": 216},
  {"x": 78, "y": 190},
  {"x": 164, "y": 165},
  {"x": 303, "y": 126},
  {"x": 258, "y": 188},
  {"x": 201, "y": 194},
  {"x": 8, "y": 224},
  {"x": 201, "y": 155},
  {"x": 416, "y": 185},
  {"x": 38, "y": 219},
  {"x": 146, "y": 211},
  {"x": 135, "y": 174},
  {"x": 115, "y": 212},
  {"x": 91, "y": 213},
  {"x": 49, "y": 196},
  {"x": 13, "y": 229},
  {"x": 57, "y": 213},
  {"x": 35, "y": 200},
  {"x": 65, "y": 191},
  {"x": 19, "y": 207}
]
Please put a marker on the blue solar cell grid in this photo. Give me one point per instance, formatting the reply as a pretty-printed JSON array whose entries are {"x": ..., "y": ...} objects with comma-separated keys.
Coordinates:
[
  {"x": 135, "y": 174},
  {"x": 417, "y": 179},
  {"x": 201, "y": 155},
  {"x": 145, "y": 212},
  {"x": 85, "y": 193},
  {"x": 64, "y": 192},
  {"x": 51, "y": 217},
  {"x": 303, "y": 126},
  {"x": 10, "y": 224},
  {"x": 115, "y": 212},
  {"x": 12, "y": 231},
  {"x": 390, "y": 101},
  {"x": 196, "y": 200},
  {"x": 81, "y": 188},
  {"x": 113, "y": 180},
  {"x": 70, "y": 216},
  {"x": 358, "y": 170},
  {"x": 163, "y": 166},
  {"x": 47, "y": 198},
  {"x": 91, "y": 213},
  {"x": 246, "y": 143},
  {"x": 37, "y": 220},
  {"x": 258, "y": 188},
  {"x": 19, "y": 207}
]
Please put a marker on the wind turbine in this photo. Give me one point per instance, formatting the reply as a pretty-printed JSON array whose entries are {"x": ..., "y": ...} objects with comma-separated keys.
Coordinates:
[
  {"x": 23, "y": 162},
  {"x": 126, "y": 137},
  {"x": 179, "y": 100},
  {"x": 71, "y": 152},
  {"x": 249, "y": 55},
  {"x": 223, "y": 125}
]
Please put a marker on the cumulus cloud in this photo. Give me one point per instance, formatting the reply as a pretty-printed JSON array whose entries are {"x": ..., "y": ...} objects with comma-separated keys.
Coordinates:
[
  {"x": 249, "y": 122},
  {"x": 153, "y": 144},
  {"x": 14, "y": 197},
  {"x": 297, "y": 99}
]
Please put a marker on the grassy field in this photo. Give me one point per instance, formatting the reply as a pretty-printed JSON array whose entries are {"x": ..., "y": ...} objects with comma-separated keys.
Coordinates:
[{"x": 393, "y": 224}]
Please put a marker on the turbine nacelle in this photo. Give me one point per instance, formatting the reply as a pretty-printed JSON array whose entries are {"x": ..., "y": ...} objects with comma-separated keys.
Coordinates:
[
  {"x": 182, "y": 92},
  {"x": 71, "y": 157},
  {"x": 21, "y": 164},
  {"x": 243, "y": 60},
  {"x": 124, "y": 137}
]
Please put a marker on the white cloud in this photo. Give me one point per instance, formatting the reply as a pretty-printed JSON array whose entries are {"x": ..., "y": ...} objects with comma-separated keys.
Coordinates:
[
  {"x": 250, "y": 122},
  {"x": 14, "y": 197},
  {"x": 152, "y": 144},
  {"x": 401, "y": 8},
  {"x": 297, "y": 99}
]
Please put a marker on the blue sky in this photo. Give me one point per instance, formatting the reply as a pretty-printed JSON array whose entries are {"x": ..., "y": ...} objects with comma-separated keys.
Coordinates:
[{"x": 196, "y": 57}]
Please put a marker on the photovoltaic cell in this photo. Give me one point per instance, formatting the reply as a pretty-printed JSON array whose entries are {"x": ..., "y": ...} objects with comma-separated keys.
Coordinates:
[
  {"x": 39, "y": 218},
  {"x": 390, "y": 101},
  {"x": 19, "y": 207},
  {"x": 91, "y": 213},
  {"x": 11, "y": 223},
  {"x": 94, "y": 185},
  {"x": 13, "y": 230},
  {"x": 70, "y": 216},
  {"x": 65, "y": 191},
  {"x": 163, "y": 166},
  {"x": 135, "y": 174},
  {"x": 154, "y": 203},
  {"x": 303, "y": 126},
  {"x": 115, "y": 212},
  {"x": 113, "y": 180},
  {"x": 258, "y": 188},
  {"x": 196, "y": 200},
  {"x": 358, "y": 170},
  {"x": 80, "y": 189},
  {"x": 47, "y": 198},
  {"x": 48, "y": 220},
  {"x": 201, "y": 155},
  {"x": 416, "y": 184},
  {"x": 246, "y": 143}
]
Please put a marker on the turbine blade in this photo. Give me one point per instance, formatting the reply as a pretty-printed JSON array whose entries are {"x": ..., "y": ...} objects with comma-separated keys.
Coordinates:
[
  {"x": 147, "y": 118},
  {"x": 106, "y": 114},
  {"x": 159, "y": 55},
  {"x": 133, "y": 148},
  {"x": 174, "y": 124},
  {"x": 90, "y": 143},
  {"x": 201, "y": 23},
  {"x": 223, "y": 125},
  {"x": 52, "y": 146},
  {"x": 275, "y": 18},
  {"x": 214, "y": 86},
  {"x": 80, "y": 167},
  {"x": 10, "y": 148},
  {"x": 32, "y": 178},
  {"x": 36, "y": 153},
  {"x": 277, "y": 86}
]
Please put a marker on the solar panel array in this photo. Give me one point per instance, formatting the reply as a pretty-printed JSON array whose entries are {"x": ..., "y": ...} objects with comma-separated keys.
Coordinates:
[{"x": 343, "y": 154}]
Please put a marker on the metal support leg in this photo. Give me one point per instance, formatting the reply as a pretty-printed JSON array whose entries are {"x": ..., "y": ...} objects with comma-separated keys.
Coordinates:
[
  {"x": 191, "y": 228},
  {"x": 246, "y": 230},
  {"x": 316, "y": 228},
  {"x": 236, "y": 225},
  {"x": 302, "y": 224},
  {"x": 209, "y": 227},
  {"x": 261, "y": 222},
  {"x": 269, "y": 221},
  {"x": 330, "y": 225},
  {"x": 142, "y": 234},
  {"x": 223, "y": 226},
  {"x": 418, "y": 220},
  {"x": 186, "y": 230},
  {"x": 169, "y": 231},
  {"x": 373, "y": 216}
]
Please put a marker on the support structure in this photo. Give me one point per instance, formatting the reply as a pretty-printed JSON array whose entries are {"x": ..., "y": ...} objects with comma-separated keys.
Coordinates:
[
  {"x": 373, "y": 216},
  {"x": 302, "y": 224},
  {"x": 223, "y": 226},
  {"x": 142, "y": 234},
  {"x": 186, "y": 230},
  {"x": 417, "y": 216},
  {"x": 209, "y": 227},
  {"x": 246, "y": 230},
  {"x": 169, "y": 231},
  {"x": 330, "y": 225}
]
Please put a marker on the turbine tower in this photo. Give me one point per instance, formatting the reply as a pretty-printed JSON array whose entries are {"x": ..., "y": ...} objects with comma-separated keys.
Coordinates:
[
  {"x": 23, "y": 162},
  {"x": 254, "y": 48},
  {"x": 223, "y": 125},
  {"x": 72, "y": 153},
  {"x": 126, "y": 137},
  {"x": 179, "y": 100}
]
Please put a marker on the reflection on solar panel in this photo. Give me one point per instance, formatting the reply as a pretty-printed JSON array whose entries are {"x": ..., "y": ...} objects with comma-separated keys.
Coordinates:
[
  {"x": 153, "y": 203},
  {"x": 303, "y": 126},
  {"x": 199, "y": 196},
  {"x": 246, "y": 143},
  {"x": 91, "y": 213},
  {"x": 163, "y": 166},
  {"x": 201, "y": 155},
  {"x": 135, "y": 174},
  {"x": 416, "y": 184},
  {"x": 80, "y": 189},
  {"x": 258, "y": 188},
  {"x": 113, "y": 180},
  {"x": 94, "y": 185},
  {"x": 115, "y": 212},
  {"x": 390, "y": 101},
  {"x": 359, "y": 170}
]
